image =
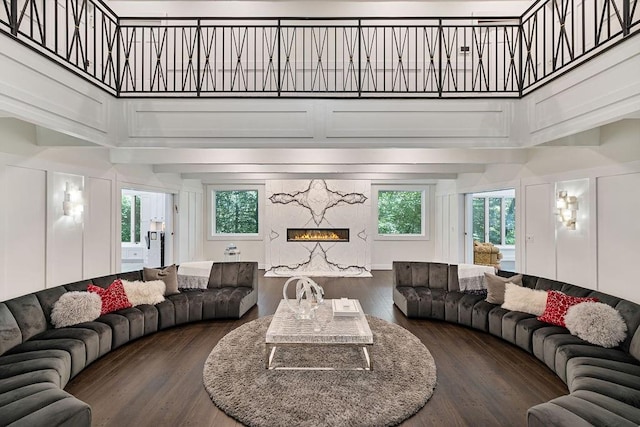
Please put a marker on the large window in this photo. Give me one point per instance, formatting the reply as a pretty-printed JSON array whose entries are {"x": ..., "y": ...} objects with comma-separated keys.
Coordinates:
[
  {"x": 494, "y": 220},
  {"x": 130, "y": 219},
  {"x": 401, "y": 213},
  {"x": 235, "y": 212}
]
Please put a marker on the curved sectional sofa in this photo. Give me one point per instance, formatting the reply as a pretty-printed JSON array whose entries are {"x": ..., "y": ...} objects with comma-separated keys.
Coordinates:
[
  {"x": 37, "y": 360},
  {"x": 604, "y": 384}
]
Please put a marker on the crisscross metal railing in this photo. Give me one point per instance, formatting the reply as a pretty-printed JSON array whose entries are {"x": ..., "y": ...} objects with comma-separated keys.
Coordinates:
[{"x": 315, "y": 57}]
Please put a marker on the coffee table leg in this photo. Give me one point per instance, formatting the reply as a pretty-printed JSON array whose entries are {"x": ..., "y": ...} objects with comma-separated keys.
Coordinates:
[
  {"x": 368, "y": 357},
  {"x": 269, "y": 351}
]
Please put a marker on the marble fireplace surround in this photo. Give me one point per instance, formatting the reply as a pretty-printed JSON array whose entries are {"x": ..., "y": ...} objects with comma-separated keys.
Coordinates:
[{"x": 318, "y": 204}]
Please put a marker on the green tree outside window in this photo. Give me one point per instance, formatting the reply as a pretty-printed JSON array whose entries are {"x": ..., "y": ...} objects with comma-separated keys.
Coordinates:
[
  {"x": 478, "y": 219},
  {"x": 236, "y": 212},
  {"x": 400, "y": 212},
  {"x": 495, "y": 220},
  {"x": 127, "y": 212},
  {"x": 510, "y": 221}
]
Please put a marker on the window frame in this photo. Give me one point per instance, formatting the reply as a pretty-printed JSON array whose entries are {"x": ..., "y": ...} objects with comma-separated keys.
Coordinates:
[
  {"x": 425, "y": 226},
  {"x": 211, "y": 212}
]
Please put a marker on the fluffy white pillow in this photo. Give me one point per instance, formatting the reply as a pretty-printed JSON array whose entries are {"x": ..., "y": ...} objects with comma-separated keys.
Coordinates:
[
  {"x": 75, "y": 307},
  {"x": 596, "y": 323},
  {"x": 138, "y": 292},
  {"x": 519, "y": 298}
]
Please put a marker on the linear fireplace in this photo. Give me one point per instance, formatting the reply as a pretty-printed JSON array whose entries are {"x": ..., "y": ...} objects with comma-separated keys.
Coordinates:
[{"x": 317, "y": 234}]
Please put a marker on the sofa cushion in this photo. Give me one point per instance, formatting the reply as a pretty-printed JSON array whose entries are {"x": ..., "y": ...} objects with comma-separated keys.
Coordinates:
[
  {"x": 575, "y": 412},
  {"x": 568, "y": 351},
  {"x": 630, "y": 312},
  {"x": 75, "y": 307},
  {"x": 423, "y": 302},
  {"x": 629, "y": 412},
  {"x": 48, "y": 405},
  {"x": 31, "y": 377},
  {"x": 104, "y": 281},
  {"x": 619, "y": 386},
  {"x": 181, "y": 307},
  {"x": 596, "y": 323},
  {"x": 119, "y": 328},
  {"x": 48, "y": 298},
  {"x": 113, "y": 298},
  {"x": 130, "y": 276},
  {"x": 139, "y": 292},
  {"x": 135, "y": 318},
  {"x": 74, "y": 347},
  {"x": 548, "y": 284},
  {"x": 10, "y": 333},
  {"x": 232, "y": 274},
  {"x": 104, "y": 331},
  {"x": 519, "y": 298},
  {"x": 525, "y": 329},
  {"x": 89, "y": 337},
  {"x": 496, "y": 286},
  {"x": 480, "y": 315},
  {"x": 29, "y": 315},
  {"x": 223, "y": 303},
  {"x": 21, "y": 364},
  {"x": 79, "y": 286},
  {"x": 510, "y": 324},
  {"x": 169, "y": 275},
  {"x": 557, "y": 306},
  {"x": 150, "y": 314},
  {"x": 166, "y": 314}
]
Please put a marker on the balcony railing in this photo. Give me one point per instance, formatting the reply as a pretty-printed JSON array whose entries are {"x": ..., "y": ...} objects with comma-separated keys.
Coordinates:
[{"x": 310, "y": 57}]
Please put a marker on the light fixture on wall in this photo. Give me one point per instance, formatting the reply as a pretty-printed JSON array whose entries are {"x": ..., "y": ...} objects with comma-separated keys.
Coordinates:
[
  {"x": 567, "y": 207},
  {"x": 72, "y": 204}
]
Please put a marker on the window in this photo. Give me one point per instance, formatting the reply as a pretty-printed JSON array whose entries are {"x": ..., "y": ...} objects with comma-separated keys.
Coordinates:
[
  {"x": 401, "y": 213},
  {"x": 234, "y": 212},
  {"x": 130, "y": 219},
  {"x": 494, "y": 220}
]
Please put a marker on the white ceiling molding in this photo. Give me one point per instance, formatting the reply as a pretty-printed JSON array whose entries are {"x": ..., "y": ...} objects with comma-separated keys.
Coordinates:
[{"x": 157, "y": 156}]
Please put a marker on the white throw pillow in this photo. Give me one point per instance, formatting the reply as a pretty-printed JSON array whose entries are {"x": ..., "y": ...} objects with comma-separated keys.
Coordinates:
[
  {"x": 519, "y": 298},
  {"x": 75, "y": 307},
  {"x": 596, "y": 323},
  {"x": 139, "y": 292}
]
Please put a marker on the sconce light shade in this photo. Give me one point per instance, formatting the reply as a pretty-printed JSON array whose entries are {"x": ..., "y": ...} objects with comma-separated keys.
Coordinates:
[
  {"x": 567, "y": 209},
  {"x": 72, "y": 204}
]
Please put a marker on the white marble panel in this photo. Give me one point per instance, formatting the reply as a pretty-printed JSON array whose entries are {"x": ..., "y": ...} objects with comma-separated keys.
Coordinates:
[{"x": 318, "y": 204}]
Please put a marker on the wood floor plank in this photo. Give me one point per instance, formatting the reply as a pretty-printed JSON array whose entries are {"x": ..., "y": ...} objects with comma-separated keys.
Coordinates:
[{"x": 157, "y": 380}]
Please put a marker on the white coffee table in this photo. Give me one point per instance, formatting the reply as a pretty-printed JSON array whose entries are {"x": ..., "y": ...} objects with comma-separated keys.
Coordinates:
[{"x": 325, "y": 330}]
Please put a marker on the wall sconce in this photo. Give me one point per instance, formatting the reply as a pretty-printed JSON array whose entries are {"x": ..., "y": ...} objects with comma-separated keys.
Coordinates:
[
  {"x": 72, "y": 204},
  {"x": 567, "y": 207}
]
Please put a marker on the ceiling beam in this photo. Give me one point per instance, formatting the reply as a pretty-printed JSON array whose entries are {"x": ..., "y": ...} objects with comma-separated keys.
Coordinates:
[
  {"x": 320, "y": 168},
  {"x": 207, "y": 178},
  {"x": 283, "y": 156}
]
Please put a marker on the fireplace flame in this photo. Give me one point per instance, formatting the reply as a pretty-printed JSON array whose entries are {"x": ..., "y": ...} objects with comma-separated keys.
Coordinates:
[{"x": 317, "y": 235}]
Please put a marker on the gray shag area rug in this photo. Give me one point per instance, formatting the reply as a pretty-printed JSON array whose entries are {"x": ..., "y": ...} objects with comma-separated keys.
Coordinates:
[{"x": 402, "y": 380}]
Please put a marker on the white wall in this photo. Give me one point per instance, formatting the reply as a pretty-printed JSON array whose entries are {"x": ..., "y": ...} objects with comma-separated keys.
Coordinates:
[
  {"x": 317, "y": 8},
  {"x": 40, "y": 247},
  {"x": 602, "y": 252},
  {"x": 22, "y": 267}
]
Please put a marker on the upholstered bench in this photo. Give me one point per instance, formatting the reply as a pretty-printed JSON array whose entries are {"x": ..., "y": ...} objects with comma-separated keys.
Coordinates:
[
  {"x": 604, "y": 383},
  {"x": 37, "y": 360}
]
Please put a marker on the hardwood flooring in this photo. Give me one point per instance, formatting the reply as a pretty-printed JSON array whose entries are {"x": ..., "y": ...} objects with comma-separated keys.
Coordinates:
[{"x": 157, "y": 380}]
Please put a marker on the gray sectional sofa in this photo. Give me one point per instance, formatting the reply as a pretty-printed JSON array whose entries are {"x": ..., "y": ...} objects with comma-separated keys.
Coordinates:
[
  {"x": 37, "y": 361},
  {"x": 604, "y": 384}
]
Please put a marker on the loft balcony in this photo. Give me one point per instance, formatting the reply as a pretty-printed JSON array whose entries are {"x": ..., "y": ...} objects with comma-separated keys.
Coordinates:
[{"x": 440, "y": 57}]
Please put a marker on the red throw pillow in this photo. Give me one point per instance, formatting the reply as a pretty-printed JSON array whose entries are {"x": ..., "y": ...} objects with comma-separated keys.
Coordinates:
[
  {"x": 113, "y": 298},
  {"x": 557, "y": 306}
]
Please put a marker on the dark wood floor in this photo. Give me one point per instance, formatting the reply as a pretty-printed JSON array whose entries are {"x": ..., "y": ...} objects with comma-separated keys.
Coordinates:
[{"x": 157, "y": 380}]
